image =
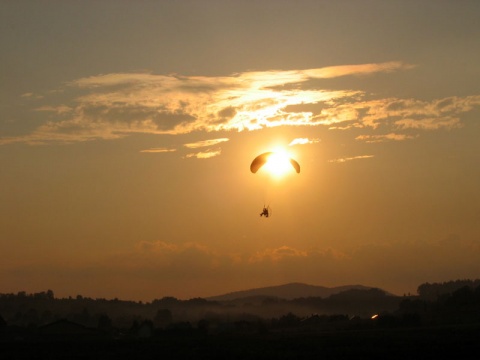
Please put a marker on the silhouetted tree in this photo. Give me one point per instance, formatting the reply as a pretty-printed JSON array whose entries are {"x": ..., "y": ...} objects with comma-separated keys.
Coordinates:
[
  {"x": 167, "y": 302},
  {"x": 44, "y": 295},
  {"x": 461, "y": 298},
  {"x": 433, "y": 291}
]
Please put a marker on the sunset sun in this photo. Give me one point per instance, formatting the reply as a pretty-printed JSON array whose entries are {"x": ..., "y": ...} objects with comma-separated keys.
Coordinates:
[{"x": 278, "y": 164}]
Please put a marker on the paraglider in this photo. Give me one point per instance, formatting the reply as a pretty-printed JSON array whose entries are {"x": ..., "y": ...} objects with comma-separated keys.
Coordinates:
[{"x": 278, "y": 164}]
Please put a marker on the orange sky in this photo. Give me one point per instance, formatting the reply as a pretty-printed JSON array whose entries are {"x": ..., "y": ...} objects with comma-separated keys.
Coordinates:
[{"x": 127, "y": 131}]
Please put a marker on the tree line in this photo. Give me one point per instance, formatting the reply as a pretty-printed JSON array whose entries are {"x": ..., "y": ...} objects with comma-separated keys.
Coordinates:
[{"x": 437, "y": 303}]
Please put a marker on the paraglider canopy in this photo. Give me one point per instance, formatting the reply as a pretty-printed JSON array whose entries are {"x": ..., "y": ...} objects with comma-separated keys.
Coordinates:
[{"x": 278, "y": 160}]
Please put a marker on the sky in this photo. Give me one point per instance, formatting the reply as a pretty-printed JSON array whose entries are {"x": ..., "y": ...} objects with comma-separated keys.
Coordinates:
[{"x": 127, "y": 129}]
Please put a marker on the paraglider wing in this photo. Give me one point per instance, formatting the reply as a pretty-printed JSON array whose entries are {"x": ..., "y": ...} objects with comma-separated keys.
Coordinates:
[
  {"x": 259, "y": 161},
  {"x": 296, "y": 165}
]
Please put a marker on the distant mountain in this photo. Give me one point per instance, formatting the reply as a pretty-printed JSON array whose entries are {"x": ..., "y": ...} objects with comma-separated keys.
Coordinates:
[{"x": 287, "y": 292}]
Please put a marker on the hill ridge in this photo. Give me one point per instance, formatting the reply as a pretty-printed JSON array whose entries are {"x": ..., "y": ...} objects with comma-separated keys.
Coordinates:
[{"x": 287, "y": 291}]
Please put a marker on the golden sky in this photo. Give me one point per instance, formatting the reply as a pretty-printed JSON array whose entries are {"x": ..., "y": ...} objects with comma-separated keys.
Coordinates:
[{"x": 127, "y": 130}]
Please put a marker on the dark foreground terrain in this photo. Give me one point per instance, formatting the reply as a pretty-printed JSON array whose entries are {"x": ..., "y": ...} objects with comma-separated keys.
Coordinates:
[
  {"x": 454, "y": 342},
  {"x": 443, "y": 321}
]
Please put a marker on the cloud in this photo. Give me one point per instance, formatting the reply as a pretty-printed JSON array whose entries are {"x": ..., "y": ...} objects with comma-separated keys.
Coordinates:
[
  {"x": 382, "y": 138},
  {"x": 362, "y": 69},
  {"x": 115, "y": 105},
  {"x": 60, "y": 110},
  {"x": 205, "y": 143},
  {"x": 204, "y": 154},
  {"x": 390, "y": 265},
  {"x": 158, "y": 150},
  {"x": 153, "y": 269},
  {"x": 112, "y": 106},
  {"x": 159, "y": 247},
  {"x": 429, "y": 123},
  {"x": 276, "y": 255},
  {"x": 303, "y": 141},
  {"x": 200, "y": 155},
  {"x": 345, "y": 159},
  {"x": 31, "y": 96},
  {"x": 164, "y": 255},
  {"x": 415, "y": 114}
]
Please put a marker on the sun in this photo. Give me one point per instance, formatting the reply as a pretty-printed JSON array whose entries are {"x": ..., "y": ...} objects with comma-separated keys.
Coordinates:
[{"x": 278, "y": 164}]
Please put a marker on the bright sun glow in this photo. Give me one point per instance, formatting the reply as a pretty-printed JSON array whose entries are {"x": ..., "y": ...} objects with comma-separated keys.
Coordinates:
[{"x": 278, "y": 164}]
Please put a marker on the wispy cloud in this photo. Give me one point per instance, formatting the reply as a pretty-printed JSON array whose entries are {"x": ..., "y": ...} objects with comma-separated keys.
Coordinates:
[
  {"x": 158, "y": 150},
  {"x": 60, "y": 110},
  {"x": 416, "y": 114},
  {"x": 303, "y": 141},
  {"x": 204, "y": 154},
  {"x": 362, "y": 69},
  {"x": 113, "y": 106},
  {"x": 205, "y": 143},
  {"x": 195, "y": 145},
  {"x": 386, "y": 137},
  {"x": 345, "y": 159},
  {"x": 429, "y": 123},
  {"x": 31, "y": 96}
]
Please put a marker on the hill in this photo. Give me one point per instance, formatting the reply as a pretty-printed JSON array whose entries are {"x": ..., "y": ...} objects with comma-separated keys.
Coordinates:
[{"x": 288, "y": 292}]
